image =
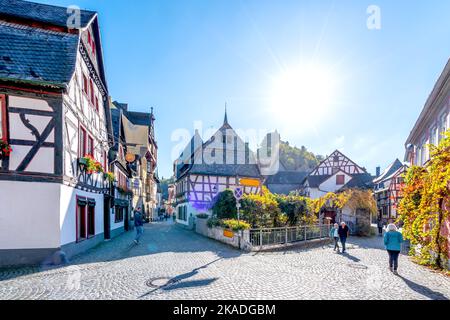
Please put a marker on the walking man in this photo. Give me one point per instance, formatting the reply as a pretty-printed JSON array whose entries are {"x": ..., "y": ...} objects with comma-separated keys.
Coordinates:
[
  {"x": 380, "y": 226},
  {"x": 343, "y": 233},
  {"x": 138, "y": 224}
]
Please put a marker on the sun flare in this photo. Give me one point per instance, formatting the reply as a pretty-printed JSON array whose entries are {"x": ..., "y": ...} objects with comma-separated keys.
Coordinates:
[{"x": 305, "y": 91}]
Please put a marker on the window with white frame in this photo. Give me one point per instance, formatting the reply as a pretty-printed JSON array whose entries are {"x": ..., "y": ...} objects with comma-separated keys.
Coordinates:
[
  {"x": 442, "y": 125},
  {"x": 419, "y": 156},
  {"x": 424, "y": 155},
  {"x": 434, "y": 136}
]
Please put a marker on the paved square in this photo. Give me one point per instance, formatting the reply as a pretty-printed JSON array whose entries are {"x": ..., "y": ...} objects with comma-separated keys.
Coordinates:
[{"x": 173, "y": 263}]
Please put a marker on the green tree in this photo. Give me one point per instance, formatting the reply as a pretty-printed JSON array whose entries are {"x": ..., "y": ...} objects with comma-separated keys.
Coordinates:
[{"x": 225, "y": 205}]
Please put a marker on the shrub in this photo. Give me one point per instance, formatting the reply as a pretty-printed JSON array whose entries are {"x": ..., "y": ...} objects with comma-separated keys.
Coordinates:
[
  {"x": 235, "y": 225},
  {"x": 213, "y": 222},
  {"x": 262, "y": 210},
  {"x": 225, "y": 205},
  {"x": 295, "y": 207}
]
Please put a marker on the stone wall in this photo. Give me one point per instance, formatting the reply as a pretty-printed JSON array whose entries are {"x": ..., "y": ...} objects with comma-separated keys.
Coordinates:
[{"x": 217, "y": 233}]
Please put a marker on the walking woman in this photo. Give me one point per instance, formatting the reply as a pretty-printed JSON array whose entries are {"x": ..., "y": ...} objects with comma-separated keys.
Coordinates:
[
  {"x": 335, "y": 235},
  {"x": 393, "y": 241}
]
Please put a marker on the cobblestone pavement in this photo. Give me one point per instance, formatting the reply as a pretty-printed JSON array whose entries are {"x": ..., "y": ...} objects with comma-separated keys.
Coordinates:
[{"x": 173, "y": 263}]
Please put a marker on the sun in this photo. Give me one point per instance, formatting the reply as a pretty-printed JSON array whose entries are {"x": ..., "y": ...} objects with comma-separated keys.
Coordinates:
[{"x": 303, "y": 93}]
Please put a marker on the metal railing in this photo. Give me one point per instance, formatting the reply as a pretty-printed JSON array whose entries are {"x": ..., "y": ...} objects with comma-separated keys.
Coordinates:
[{"x": 279, "y": 236}]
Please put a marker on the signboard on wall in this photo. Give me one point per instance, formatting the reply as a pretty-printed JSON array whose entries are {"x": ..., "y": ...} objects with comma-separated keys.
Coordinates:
[
  {"x": 248, "y": 182},
  {"x": 228, "y": 233}
]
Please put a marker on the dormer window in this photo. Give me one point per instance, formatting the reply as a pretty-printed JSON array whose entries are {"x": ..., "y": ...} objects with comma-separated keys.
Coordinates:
[{"x": 340, "y": 180}]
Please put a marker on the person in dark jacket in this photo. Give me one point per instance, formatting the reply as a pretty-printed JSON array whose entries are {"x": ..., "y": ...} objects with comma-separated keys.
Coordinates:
[
  {"x": 138, "y": 224},
  {"x": 393, "y": 240},
  {"x": 343, "y": 232},
  {"x": 380, "y": 226}
]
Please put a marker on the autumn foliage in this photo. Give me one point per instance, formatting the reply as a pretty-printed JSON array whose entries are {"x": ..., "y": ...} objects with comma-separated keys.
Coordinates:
[{"x": 424, "y": 206}]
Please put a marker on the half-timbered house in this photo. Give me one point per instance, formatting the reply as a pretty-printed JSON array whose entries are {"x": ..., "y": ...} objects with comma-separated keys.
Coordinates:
[
  {"x": 142, "y": 149},
  {"x": 121, "y": 196},
  {"x": 204, "y": 169},
  {"x": 337, "y": 172},
  {"x": 387, "y": 190},
  {"x": 54, "y": 110}
]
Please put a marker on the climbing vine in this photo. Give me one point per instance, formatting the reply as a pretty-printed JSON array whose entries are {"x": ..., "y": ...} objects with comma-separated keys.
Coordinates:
[{"x": 424, "y": 208}]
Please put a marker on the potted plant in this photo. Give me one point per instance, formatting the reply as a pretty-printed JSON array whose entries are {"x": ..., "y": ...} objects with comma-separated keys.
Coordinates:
[
  {"x": 90, "y": 164},
  {"x": 109, "y": 176},
  {"x": 5, "y": 149}
]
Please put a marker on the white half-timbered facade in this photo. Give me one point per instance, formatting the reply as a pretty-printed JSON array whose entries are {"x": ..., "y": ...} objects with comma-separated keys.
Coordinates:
[
  {"x": 54, "y": 111},
  {"x": 205, "y": 169},
  {"x": 337, "y": 172}
]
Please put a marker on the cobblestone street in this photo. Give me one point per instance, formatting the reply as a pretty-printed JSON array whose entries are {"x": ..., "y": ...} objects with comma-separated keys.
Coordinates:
[{"x": 173, "y": 263}]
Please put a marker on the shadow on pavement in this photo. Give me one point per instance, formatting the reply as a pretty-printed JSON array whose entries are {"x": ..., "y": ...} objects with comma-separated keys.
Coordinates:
[
  {"x": 350, "y": 257},
  {"x": 427, "y": 292},
  {"x": 157, "y": 238},
  {"x": 176, "y": 282}
]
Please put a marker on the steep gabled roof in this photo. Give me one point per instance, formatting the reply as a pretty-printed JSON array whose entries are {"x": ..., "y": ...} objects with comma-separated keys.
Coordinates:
[
  {"x": 393, "y": 167},
  {"x": 229, "y": 170},
  {"x": 48, "y": 14},
  {"x": 316, "y": 181},
  {"x": 360, "y": 181},
  {"x": 286, "y": 177},
  {"x": 139, "y": 118},
  {"x": 199, "y": 166},
  {"x": 36, "y": 56}
]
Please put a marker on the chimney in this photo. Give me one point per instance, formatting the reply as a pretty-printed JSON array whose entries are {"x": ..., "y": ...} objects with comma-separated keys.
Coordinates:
[{"x": 378, "y": 171}]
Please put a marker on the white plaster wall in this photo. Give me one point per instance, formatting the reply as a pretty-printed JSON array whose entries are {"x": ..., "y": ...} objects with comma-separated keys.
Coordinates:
[
  {"x": 330, "y": 185},
  {"x": 29, "y": 227},
  {"x": 117, "y": 225},
  {"x": 43, "y": 161},
  {"x": 68, "y": 212},
  {"x": 316, "y": 193},
  {"x": 28, "y": 103},
  {"x": 189, "y": 210}
]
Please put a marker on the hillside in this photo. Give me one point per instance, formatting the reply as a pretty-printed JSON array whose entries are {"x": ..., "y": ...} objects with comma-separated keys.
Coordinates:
[{"x": 298, "y": 159}]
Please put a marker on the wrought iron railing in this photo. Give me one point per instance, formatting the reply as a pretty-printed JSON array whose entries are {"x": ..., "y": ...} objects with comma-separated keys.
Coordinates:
[{"x": 278, "y": 236}]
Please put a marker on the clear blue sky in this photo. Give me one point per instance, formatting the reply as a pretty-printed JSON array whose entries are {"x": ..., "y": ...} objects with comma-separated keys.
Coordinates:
[{"x": 187, "y": 57}]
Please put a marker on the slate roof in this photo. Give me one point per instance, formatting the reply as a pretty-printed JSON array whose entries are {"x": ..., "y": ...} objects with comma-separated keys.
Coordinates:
[
  {"x": 285, "y": 189},
  {"x": 361, "y": 181},
  {"x": 230, "y": 170},
  {"x": 389, "y": 171},
  {"x": 139, "y": 118},
  {"x": 36, "y": 56},
  {"x": 316, "y": 181},
  {"x": 44, "y": 13},
  {"x": 115, "y": 117},
  {"x": 286, "y": 177}
]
